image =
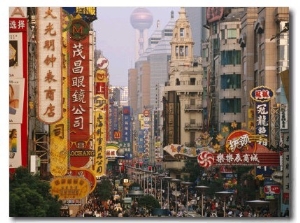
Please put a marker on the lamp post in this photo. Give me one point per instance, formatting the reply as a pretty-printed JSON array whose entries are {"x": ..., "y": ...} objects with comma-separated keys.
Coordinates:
[
  {"x": 201, "y": 188},
  {"x": 224, "y": 194},
  {"x": 144, "y": 180},
  {"x": 168, "y": 195},
  {"x": 176, "y": 181},
  {"x": 187, "y": 192},
  {"x": 155, "y": 183},
  {"x": 161, "y": 176}
]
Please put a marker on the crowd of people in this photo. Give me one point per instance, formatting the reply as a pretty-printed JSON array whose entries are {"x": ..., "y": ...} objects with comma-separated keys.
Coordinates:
[{"x": 177, "y": 207}]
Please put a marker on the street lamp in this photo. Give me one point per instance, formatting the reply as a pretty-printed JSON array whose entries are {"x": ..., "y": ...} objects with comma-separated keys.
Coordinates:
[
  {"x": 161, "y": 176},
  {"x": 155, "y": 177},
  {"x": 168, "y": 180},
  {"x": 176, "y": 181},
  {"x": 201, "y": 188},
  {"x": 187, "y": 193},
  {"x": 224, "y": 194}
]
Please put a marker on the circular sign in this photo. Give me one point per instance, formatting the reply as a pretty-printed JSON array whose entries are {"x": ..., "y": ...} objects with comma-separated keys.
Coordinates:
[
  {"x": 146, "y": 113},
  {"x": 79, "y": 29},
  {"x": 102, "y": 63},
  {"x": 205, "y": 159},
  {"x": 101, "y": 75}
]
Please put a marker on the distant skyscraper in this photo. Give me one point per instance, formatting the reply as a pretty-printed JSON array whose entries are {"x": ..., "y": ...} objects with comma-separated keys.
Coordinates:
[{"x": 141, "y": 19}]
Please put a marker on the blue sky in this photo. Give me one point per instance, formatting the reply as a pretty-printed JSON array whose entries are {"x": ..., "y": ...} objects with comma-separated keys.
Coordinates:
[{"x": 115, "y": 36}]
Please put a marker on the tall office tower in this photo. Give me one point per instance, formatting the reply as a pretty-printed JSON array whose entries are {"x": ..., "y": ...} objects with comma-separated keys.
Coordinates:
[
  {"x": 159, "y": 62},
  {"x": 141, "y": 19}
]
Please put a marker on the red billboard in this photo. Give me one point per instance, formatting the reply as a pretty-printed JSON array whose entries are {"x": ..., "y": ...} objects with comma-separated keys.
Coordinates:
[{"x": 79, "y": 102}]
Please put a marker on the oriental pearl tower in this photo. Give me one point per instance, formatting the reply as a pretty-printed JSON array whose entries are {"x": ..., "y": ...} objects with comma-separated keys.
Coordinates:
[{"x": 141, "y": 19}]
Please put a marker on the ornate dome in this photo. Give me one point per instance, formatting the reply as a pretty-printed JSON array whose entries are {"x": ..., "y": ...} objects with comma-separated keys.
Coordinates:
[{"x": 141, "y": 18}]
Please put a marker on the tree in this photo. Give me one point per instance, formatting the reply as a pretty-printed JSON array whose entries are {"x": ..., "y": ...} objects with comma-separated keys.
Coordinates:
[
  {"x": 149, "y": 202},
  {"x": 30, "y": 197},
  {"x": 103, "y": 190}
]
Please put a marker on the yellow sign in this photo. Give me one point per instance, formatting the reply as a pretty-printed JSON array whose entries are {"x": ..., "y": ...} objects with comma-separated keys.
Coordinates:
[{"x": 69, "y": 187}]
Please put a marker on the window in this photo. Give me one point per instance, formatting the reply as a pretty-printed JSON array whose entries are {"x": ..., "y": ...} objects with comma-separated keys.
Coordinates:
[
  {"x": 181, "y": 53},
  {"x": 214, "y": 28},
  {"x": 192, "y": 81},
  {"x": 231, "y": 57},
  {"x": 231, "y": 105},
  {"x": 231, "y": 33},
  {"x": 231, "y": 81},
  {"x": 181, "y": 32}
]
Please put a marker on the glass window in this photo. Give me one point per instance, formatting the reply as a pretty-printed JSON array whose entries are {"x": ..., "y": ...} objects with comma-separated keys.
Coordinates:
[
  {"x": 231, "y": 105},
  {"x": 231, "y": 57},
  {"x": 231, "y": 34},
  {"x": 231, "y": 81}
]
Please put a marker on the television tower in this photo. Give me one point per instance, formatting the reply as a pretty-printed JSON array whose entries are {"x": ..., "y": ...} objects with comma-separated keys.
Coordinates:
[{"x": 141, "y": 19}]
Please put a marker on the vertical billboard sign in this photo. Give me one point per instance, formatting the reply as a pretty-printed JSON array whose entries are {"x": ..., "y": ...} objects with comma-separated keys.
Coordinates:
[
  {"x": 18, "y": 97},
  {"x": 49, "y": 63},
  {"x": 114, "y": 122},
  {"x": 100, "y": 123},
  {"x": 126, "y": 134},
  {"x": 59, "y": 156},
  {"x": 126, "y": 124},
  {"x": 262, "y": 96},
  {"x": 286, "y": 176},
  {"x": 79, "y": 103}
]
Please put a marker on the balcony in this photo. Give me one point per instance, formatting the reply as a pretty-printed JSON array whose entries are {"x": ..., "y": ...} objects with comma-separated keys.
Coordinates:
[
  {"x": 193, "y": 127},
  {"x": 192, "y": 108}
]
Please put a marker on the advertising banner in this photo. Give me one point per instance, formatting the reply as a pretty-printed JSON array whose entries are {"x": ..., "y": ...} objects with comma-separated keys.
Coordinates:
[{"x": 15, "y": 149}]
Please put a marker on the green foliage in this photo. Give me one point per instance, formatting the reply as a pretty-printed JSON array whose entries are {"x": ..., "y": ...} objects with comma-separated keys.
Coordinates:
[
  {"x": 191, "y": 167},
  {"x": 103, "y": 190},
  {"x": 30, "y": 197},
  {"x": 149, "y": 202}
]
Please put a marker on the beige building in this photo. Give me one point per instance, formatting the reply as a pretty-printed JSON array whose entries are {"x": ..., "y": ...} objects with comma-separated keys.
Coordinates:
[{"x": 183, "y": 118}]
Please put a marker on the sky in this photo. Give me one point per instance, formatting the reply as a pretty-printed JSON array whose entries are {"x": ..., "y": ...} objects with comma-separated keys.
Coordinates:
[
  {"x": 117, "y": 42},
  {"x": 114, "y": 49}
]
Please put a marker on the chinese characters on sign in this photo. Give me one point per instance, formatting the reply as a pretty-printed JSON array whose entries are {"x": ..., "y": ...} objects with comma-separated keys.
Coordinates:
[
  {"x": 79, "y": 75},
  {"x": 49, "y": 64},
  {"x": 262, "y": 96}
]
